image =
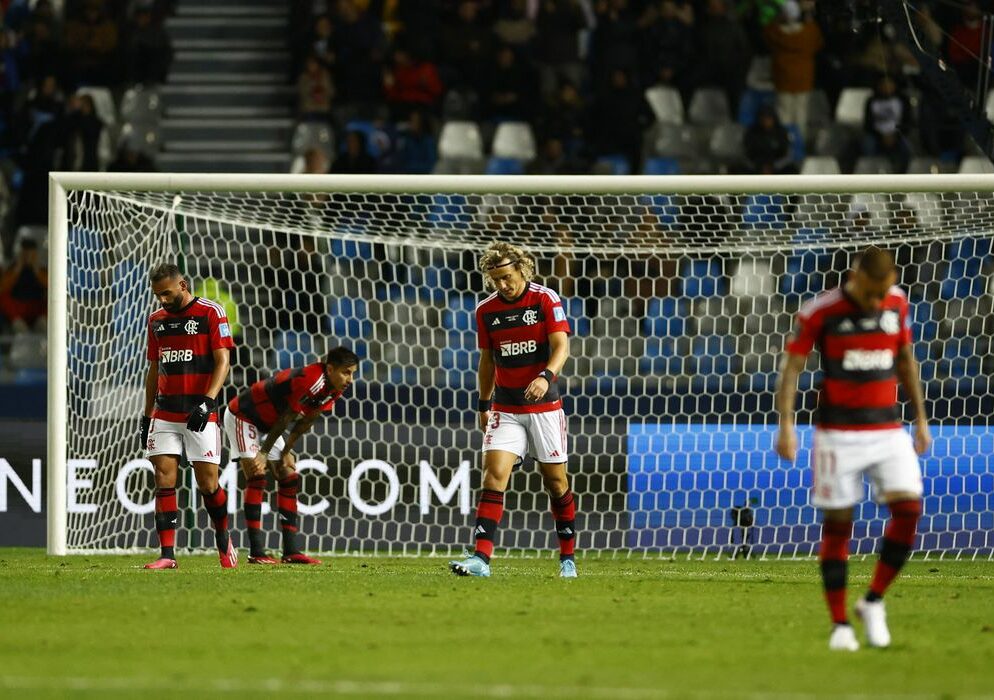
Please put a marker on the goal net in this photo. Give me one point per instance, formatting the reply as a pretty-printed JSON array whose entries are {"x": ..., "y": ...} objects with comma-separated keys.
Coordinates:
[{"x": 680, "y": 292}]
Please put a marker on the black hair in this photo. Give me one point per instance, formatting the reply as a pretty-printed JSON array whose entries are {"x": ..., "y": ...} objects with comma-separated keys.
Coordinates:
[
  {"x": 341, "y": 357},
  {"x": 163, "y": 271}
]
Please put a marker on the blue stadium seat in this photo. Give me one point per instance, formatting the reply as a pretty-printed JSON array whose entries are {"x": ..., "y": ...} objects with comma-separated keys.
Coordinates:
[
  {"x": 662, "y": 206},
  {"x": 449, "y": 211},
  {"x": 505, "y": 166},
  {"x": 617, "y": 164},
  {"x": 960, "y": 359},
  {"x": 578, "y": 320},
  {"x": 293, "y": 349},
  {"x": 377, "y": 140},
  {"x": 349, "y": 318},
  {"x": 765, "y": 211},
  {"x": 31, "y": 376},
  {"x": 665, "y": 317},
  {"x": 924, "y": 325},
  {"x": 460, "y": 314},
  {"x": 86, "y": 260},
  {"x": 343, "y": 248},
  {"x": 797, "y": 150},
  {"x": 801, "y": 279},
  {"x": 702, "y": 278},
  {"x": 661, "y": 166},
  {"x": 751, "y": 101},
  {"x": 967, "y": 259}
]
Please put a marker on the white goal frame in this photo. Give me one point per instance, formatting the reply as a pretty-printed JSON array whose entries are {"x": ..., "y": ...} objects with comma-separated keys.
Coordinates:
[{"x": 62, "y": 183}]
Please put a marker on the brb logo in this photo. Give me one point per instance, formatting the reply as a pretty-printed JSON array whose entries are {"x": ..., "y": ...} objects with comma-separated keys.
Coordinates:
[
  {"x": 867, "y": 360},
  {"x": 529, "y": 317},
  {"x": 513, "y": 349},
  {"x": 177, "y": 355},
  {"x": 191, "y": 327}
]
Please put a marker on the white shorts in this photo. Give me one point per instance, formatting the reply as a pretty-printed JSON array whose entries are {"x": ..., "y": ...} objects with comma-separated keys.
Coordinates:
[
  {"x": 541, "y": 435},
  {"x": 172, "y": 438},
  {"x": 839, "y": 458},
  {"x": 244, "y": 439}
]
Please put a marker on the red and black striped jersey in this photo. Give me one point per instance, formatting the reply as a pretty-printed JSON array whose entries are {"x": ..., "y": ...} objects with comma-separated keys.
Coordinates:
[
  {"x": 183, "y": 343},
  {"x": 517, "y": 333},
  {"x": 304, "y": 390},
  {"x": 859, "y": 354}
]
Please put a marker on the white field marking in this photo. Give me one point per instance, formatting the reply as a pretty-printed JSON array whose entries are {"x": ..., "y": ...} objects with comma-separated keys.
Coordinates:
[{"x": 126, "y": 684}]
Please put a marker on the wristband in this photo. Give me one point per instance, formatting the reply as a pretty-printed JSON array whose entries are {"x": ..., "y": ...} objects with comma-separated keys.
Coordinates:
[
  {"x": 548, "y": 376},
  {"x": 483, "y": 405}
]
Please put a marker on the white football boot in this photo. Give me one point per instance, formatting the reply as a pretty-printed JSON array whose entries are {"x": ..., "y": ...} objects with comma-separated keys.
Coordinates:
[
  {"x": 843, "y": 639},
  {"x": 874, "y": 617}
]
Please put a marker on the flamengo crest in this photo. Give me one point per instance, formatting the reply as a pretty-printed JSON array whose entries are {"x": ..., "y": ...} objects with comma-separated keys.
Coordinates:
[
  {"x": 191, "y": 327},
  {"x": 529, "y": 317}
]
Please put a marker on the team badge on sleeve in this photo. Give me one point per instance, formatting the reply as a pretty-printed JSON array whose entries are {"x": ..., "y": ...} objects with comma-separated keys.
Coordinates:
[
  {"x": 558, "y": 313},
  {"x": 225, "y": 330}
]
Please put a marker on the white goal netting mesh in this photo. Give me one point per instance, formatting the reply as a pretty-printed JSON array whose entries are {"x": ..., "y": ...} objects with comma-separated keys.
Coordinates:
[{"x": 679, "y": 303}]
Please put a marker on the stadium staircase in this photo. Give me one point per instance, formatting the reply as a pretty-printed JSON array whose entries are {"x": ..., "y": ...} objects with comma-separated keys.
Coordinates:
[{"x": 229, "y": 102}]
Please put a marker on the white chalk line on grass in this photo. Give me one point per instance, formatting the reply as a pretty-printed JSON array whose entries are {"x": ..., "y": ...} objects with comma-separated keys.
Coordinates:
[{"x": 126, "y": 684}]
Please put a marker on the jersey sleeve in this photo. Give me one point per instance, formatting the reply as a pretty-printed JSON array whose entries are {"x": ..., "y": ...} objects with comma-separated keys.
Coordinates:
[
  {"x": 482, "y": 333},
  {"x": 153, "y": 343},
  {"x": 555, "y": 314},
  {"x": 307, "y": 392},
  {"x": 220, "y": 331},
  {"x": 807, "y": 327}
]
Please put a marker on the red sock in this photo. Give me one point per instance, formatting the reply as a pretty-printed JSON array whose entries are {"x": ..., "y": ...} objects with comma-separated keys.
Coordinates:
[
  {"x": 564, "y": 513},
  {"x": 166, "y": 517},
  {"x": 286, "y": 503},
  {"x": 834, "y": 555},
  {"x": 254, "y": 490},
  {"x": 488, "y": 515},
  {"x": 217, "y": 508},
  {"x": 896, "y": 546}
]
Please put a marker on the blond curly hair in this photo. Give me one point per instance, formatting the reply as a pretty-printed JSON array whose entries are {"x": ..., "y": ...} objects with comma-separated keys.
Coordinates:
[{"x": 497, "y": 252}]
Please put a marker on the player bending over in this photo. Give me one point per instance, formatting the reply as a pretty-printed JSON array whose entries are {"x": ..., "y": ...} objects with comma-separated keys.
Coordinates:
[
  {"x": 863, "y": 334},
  {"x": 262, "y": 413},
  {"x": 188, "y": 344},
  {"x": 523, "y": 338}
]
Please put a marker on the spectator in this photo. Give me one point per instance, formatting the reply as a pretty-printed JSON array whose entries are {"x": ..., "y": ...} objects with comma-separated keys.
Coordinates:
[
  {"x": 24, "y": 289},
  {"x": 148, "y": 49},
  {"x": 359, "y": 46},
  {"x": 723, "y": 50},
  {"x": 355, "y": 159},
  {"x": 510, "y": 91},
  {"x": 794, "y": 43},
  {"x": 767, "y": 145},
  {"x": 619, "y": 111},
  {"x": 417, "y": 148},
  {"x": 615, "y": 41},
  {"x": 467, "y": 47},
  {"x": 411, "y": 83},
  {"x": 41, "y": 39},
  {"x": 131, "y": 159},
  {"x": 83, "y": 135},
  {"x": 667, "y": 43},
  {"x": 314, "y": 91},
  {"x": 92, "y": 44},
  {"x": 315, "y": 161},
  {"x": 322, "y": 42},
  {"x": 565, "y": 119},
  {"x": 553, "y": 159},
  {"x": 885, "y": 122},
  {"x": 557, "y": 50},
  {"x": 964, "y": 43},
  {"x": 939, "y": 125}
]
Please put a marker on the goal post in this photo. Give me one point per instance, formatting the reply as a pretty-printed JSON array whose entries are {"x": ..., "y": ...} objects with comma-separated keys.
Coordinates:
[{"x": 680, "y": 291}]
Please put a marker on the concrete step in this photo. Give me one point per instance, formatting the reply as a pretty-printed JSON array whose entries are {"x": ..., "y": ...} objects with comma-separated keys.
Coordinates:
[
  {"x": 229, "y": 112},
  {"x": 249, "y": 131},
  {"x": 198, "y": 78},
  {"x": 227, "y": 28},
  {"x": 233, "y": 8},
  {"x": 222, "y": 162},
  {"x": 227, "y": 96},
  {"x": 225, "y": 61},
  {"x": 269, "y": 43},
  {"x": 234, "y": 146}
]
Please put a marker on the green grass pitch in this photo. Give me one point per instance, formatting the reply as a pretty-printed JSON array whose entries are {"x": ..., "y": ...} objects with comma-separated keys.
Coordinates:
[{"x": 86, "y": 626}]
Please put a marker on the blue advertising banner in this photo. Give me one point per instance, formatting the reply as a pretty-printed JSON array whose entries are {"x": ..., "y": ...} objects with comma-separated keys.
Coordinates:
[{"x": 709, "y": 486}]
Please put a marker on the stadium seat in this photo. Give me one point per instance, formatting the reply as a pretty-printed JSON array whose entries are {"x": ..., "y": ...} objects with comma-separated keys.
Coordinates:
[
  {"x": 833, "y": 140},
  {"x": 292, "y": 349},
  {"x": 709, "y": 107},
  {"x": 671, "y": 141},
  {"x": 514, "y": 140},
  {"x": 927, "y": 164},
  {"x": 459, "y": 166},
  {"x": 665, "y": 317},
  {"x": 349, "y": 318},
  {"x": 819, "y": 110},
  {"x": 449, "y": 211},
  {"x": 460, "y": 314},
  {"x": 727, "y": 143},
  {"x": 924, "y": 324},
  {"x": 460, "y": 140},
  {"x": 851, "y": 108},
  {"x": 141, "y": 105},
  {"x": 801, "y": 278},
  {"x": 345, "y": 248},
  {"x": 752, "y": 278},
  {"x": 764, "y": 211},
  {"x": 575, "y": 312},
  {"x": 750, "y": 102},
  {"x": 662, "y": 207},
  {"x": 140, "y": 137},
  {"x": 702, "y": 278},
  {"x": 666, "y": 104},
  {"x": 795, "y": 138},
  {"x": 661, "y": 166},
  {"x": 976, "y": 164},
  {"x": 820, "y": 165},
  {"x": 760, "y": 75},
  {"x": 613, "y": 165},
  {"x": 873, "y": 165},
  {"x": 505, "y": 166},
  {"x": 308, "y": 135}
]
